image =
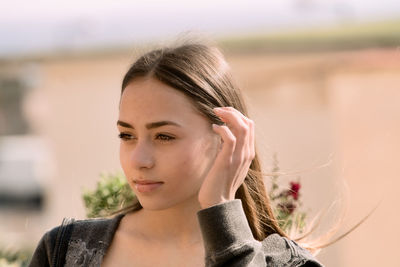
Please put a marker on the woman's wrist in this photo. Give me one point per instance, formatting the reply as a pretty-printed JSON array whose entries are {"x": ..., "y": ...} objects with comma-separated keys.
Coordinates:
[{"x": 208, "y": 204}]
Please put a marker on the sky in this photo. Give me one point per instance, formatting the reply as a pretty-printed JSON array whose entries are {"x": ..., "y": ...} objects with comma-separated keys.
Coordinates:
[{"x": 45, "y": 25}]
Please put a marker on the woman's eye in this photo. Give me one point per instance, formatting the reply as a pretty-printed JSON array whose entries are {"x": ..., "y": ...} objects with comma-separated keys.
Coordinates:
[
  {"x": 161, "y": 137},
  {"x": 125, "y": 137},
  {"x": 164, "y": 138}
]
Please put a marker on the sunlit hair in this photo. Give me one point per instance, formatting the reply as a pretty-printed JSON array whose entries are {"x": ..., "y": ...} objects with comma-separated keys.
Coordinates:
[{"x": 201, "y": 72}]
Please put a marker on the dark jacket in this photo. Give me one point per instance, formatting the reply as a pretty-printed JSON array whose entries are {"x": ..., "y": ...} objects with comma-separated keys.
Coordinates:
[{"x": 226, "y": 233}]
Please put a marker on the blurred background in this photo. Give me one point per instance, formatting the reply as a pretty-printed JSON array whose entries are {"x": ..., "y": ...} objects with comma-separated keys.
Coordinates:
[{"x": 321, "y": 78}]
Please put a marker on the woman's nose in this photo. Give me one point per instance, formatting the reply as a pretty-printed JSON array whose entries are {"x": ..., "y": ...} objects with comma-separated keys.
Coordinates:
[{"x": 142, "y": 156}]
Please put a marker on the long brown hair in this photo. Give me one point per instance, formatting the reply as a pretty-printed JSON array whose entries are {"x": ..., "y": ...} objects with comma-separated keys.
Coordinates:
[{"x": 201, "y": 73}]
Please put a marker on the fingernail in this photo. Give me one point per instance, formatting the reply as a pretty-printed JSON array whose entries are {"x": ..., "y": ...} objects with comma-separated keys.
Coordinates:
[
  {"x": 215, "y": 126},
  {"x": 217, "y": 109}
]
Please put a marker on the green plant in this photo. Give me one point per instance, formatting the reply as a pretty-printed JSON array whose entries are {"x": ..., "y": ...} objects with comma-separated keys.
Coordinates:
[
  {"x": 18, "y": 258},
  {"x": 286, "y": 203},
  {"x": 112, "y": 193}
]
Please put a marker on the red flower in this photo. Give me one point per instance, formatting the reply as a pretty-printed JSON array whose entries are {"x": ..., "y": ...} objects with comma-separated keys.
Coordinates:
[{"x": 294, "y": 190}]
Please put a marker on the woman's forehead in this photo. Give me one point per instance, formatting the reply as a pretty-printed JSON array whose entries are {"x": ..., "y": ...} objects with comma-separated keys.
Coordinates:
[
  {"x": 152, "y": 100},
  {"x": 152, "y": 93}
]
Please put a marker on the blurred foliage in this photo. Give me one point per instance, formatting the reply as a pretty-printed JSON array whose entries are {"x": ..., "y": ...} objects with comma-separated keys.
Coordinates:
[
  {"x": 343, "y": 37},
  {"x": 286, "y": 203},
  {"x": 20, "y": 258},
  {"x": 111, "y": 194}
]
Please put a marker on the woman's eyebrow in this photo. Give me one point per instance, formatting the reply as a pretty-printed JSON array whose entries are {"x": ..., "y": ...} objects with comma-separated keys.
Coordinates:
[{"x": 150, "y": 125}]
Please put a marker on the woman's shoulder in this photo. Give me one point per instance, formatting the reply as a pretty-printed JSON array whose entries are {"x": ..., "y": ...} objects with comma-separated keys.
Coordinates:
[
  {"x": 94, "y": 225},
  {"x": 89, "y": 240},
  {"x": 86, "y": 227},
  {"x": 76, "y": 239}
]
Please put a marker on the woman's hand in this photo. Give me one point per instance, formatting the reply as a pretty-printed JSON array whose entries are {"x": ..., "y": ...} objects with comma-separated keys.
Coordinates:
[{"x": 232, "y": 162}]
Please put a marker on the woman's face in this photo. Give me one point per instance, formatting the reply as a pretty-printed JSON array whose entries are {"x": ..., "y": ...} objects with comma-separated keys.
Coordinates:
[{"x": 167, "y": 147}]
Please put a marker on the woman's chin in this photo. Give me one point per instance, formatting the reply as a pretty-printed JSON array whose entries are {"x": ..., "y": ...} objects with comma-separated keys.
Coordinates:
[{"x": 155, "y": 204}]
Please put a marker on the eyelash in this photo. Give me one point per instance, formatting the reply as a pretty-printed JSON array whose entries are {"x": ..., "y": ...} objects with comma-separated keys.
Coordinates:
[{"x": 127, "y": 137}]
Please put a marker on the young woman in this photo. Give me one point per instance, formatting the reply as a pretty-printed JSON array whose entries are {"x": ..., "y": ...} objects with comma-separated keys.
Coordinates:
[{"x": 187, "y": 150}]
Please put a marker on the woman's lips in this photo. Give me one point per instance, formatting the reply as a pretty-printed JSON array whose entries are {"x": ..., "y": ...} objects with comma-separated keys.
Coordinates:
[{"x": 147, "y": 186}]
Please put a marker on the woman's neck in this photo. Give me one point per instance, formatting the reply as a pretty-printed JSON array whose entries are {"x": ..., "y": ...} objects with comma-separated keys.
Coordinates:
[{"x": 177, "y": 224}]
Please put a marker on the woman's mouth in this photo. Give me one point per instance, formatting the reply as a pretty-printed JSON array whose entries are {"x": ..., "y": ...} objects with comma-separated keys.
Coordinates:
[{"x": 147, "y": 186}]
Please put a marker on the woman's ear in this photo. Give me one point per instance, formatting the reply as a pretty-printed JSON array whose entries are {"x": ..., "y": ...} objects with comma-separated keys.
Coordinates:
[{"x": 218, "y": 141}]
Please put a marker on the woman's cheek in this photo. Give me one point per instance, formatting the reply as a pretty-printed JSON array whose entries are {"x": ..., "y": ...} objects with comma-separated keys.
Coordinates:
[
  {"x": 195, "y": 160},
  {"x": 122, "y": 157},
  {"x": 182, "y": 159}
]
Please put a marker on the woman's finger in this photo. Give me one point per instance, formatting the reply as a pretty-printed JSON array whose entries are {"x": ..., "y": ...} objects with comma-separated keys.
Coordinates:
[
  {"x": 251, "y": 140},
  {"x": 229, "y": 142},
  {"x": 240, "y": 114},
  {"x": 236, "y": 124}
]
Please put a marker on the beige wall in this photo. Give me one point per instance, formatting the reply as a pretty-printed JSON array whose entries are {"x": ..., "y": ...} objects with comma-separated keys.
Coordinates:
[{"x": 309, "y": 108}]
